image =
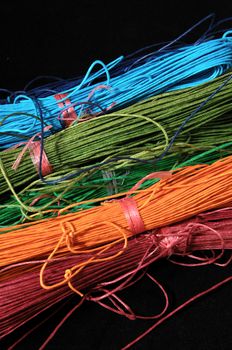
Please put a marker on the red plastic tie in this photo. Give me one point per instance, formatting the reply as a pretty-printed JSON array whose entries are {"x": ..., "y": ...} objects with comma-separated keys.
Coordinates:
[
  {"x": 69, "y": 114},
  {"x": 132, "y": 215},
  {"x": 129, "y": 205},
  {"x": 46, "y": 167},
  {"x": 34, "y": 149}
]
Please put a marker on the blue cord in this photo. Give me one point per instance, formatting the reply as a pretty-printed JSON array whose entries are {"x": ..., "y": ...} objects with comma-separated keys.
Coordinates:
[
  {"x": 162, "y": 70},
  {"x": 133, "y": 79}
]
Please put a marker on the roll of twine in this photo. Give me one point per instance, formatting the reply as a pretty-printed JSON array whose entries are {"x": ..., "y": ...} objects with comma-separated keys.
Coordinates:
[
  {"x": 148, "y": 127},
  {"x": 20, "y": 285},
  {"x": 187, "y": 192},
  {"x": 182, "y": 67}
]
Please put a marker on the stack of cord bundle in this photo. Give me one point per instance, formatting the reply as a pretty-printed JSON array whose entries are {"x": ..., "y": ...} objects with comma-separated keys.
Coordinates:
[
  {"x": 96, "y": 242},
  {"x": 112, "y": 175}
]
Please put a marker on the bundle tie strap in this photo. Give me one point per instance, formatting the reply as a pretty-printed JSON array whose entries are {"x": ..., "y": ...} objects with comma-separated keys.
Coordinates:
[
  {"x": 129, "y": 205},
  {"x": 69, "y": 114},
  {"x": 132, "y": 215},
  {"x": 34, "y": 149}
]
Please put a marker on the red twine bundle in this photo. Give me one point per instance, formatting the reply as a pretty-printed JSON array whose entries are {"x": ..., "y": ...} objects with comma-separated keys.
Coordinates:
[{"x": 22, "y": 298}]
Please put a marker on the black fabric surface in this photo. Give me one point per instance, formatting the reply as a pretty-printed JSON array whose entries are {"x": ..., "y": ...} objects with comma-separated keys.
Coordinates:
[{"x": 62, "y": 40}]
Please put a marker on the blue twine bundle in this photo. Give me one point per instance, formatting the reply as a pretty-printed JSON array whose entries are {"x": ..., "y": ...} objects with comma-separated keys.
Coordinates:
[
  {"x": 57, "y": 84},
  {"x": 162, "y": 71}
]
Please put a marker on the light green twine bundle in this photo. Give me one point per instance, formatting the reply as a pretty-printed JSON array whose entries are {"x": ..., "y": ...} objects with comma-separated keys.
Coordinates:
[
  {"x": 93, "y": 186},
  {"x": 140, "y": 131}
]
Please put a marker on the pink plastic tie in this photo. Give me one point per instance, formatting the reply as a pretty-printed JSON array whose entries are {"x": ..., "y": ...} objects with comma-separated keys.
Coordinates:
[
  {"x": 34, "y": 149},
  {"x": 68, "y": 115},
  {"x": 132, "y": 215}
]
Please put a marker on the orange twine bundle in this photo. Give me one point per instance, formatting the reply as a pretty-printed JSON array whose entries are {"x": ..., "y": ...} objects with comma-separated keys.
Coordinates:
[{"x": 177, "y": 196}]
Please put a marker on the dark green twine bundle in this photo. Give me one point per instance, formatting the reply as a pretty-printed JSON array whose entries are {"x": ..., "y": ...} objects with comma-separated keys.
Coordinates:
[
  {"x": 141, "y": 131},
  {"x": 35, "y": 200}
]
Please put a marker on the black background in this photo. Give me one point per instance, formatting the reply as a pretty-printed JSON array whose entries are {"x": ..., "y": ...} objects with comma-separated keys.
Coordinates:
[{"x": 62, "y": 40}]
